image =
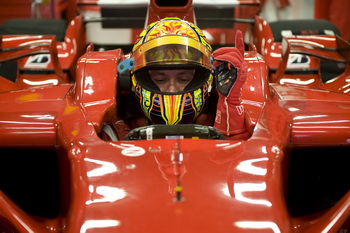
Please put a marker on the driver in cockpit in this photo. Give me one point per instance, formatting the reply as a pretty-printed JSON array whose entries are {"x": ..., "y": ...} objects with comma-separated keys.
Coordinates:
[{"x": 173, "y": 74}]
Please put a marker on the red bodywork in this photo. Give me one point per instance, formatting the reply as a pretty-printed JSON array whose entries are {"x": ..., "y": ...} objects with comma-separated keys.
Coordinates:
[
  {"x": 133, "y": 186},
  {"x": 41, "y": 59},
  {"x": 263, "y": 38}
]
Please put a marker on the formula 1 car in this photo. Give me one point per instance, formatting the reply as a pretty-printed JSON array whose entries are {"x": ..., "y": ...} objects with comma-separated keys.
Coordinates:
[{"x": 58, "y": 174}]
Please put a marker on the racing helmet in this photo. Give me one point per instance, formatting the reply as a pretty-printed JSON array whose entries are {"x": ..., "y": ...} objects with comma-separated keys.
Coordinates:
[{"x": 172, "y": 44}]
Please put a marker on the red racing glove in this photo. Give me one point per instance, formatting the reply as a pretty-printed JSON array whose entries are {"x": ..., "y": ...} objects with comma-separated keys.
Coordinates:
[{"x": 230, "y": 73}]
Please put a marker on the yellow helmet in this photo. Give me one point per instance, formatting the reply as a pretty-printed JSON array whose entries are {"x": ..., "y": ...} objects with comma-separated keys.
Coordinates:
[{"x": 172, "y": 43}]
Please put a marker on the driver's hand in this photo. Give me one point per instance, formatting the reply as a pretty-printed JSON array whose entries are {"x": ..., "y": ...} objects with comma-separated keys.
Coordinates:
[{"x": 230, "y": 71}]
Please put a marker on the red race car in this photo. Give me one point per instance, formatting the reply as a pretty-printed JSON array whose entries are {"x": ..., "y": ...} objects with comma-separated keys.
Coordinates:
[{"x": 59, "y": 174}]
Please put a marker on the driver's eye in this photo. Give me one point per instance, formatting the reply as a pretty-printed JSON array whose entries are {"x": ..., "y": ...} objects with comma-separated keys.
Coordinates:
[
  {"x": 159, "y": 80},
  {"x": 185, "y": 79},
  {"x": 158, "y": 77}
]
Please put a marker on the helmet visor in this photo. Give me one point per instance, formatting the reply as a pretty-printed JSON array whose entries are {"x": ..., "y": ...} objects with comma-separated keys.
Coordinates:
[
  {"x": 171, "y": 50},
  {"x": 199, "y": 77}
]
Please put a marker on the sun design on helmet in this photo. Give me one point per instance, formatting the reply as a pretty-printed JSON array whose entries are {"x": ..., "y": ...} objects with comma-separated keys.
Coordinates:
[{"x": 171, "y": 26}]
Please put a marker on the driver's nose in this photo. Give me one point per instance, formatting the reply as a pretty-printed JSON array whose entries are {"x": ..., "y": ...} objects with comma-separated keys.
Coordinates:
[{"x": 173, "y": 85}]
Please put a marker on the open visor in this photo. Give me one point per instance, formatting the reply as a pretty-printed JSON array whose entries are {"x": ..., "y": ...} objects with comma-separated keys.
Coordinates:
[{"x": 172, "y": 50}]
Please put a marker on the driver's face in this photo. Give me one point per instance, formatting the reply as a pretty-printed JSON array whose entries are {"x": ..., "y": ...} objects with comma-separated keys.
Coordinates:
[{"x": 171, "y": 80}]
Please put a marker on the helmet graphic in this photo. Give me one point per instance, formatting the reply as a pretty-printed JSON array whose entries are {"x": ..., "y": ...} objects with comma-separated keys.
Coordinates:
[{"x": 172, "y": 44}]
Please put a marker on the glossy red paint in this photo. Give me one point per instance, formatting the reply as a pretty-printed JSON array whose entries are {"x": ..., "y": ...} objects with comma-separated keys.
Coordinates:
[
  {"x": 279, "y": 56},
  {"x": 44, "y": 55},
  {"x": 315, "y": 48},
  {"x": 133, "y": 186}
]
